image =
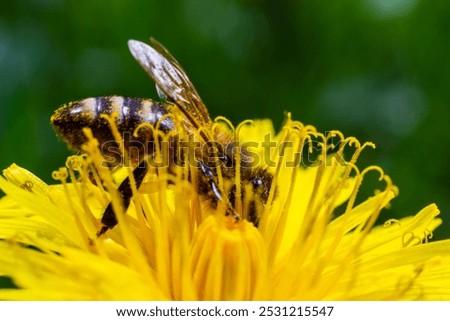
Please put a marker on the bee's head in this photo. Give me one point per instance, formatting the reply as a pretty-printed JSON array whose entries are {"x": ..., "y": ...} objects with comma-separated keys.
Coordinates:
[
  {"x": 261, "y": 184},
  {"x": 256, "y": 184}
]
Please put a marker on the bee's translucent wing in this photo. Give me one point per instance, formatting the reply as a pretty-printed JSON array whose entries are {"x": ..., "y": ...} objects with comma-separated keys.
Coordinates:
[{"x": 171, "y": 80}]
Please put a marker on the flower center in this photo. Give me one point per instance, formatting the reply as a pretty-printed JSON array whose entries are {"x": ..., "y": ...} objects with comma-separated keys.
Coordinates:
[{"x": 228, "y": 264}]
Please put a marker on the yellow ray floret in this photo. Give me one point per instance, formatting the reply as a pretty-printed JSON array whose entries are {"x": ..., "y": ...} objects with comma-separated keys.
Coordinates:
[{"x": 315, "y": 240}]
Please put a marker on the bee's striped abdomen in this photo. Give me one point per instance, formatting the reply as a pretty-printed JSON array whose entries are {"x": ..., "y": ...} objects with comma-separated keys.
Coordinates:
[{"x": 70, "y": 119}]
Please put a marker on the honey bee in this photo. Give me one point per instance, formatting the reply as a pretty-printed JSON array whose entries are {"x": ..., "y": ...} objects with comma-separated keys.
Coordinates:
[{"x": 180, "y": 102}]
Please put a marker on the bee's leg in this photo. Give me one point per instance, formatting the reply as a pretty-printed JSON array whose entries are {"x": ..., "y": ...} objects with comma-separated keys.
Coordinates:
[
  {"x": 109, "y": 219},
  {"x": 209, "y": 174}
]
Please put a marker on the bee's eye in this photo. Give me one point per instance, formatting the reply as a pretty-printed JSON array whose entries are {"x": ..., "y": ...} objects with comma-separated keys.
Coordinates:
[{"x": 257, "y": 182}]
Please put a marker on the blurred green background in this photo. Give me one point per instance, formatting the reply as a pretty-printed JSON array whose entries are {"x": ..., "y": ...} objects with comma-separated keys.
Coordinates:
[{"x": 375, "y": 69}]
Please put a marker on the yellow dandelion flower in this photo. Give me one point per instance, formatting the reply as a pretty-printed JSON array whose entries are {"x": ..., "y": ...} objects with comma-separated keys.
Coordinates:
[{"x": 314, "y": 239}]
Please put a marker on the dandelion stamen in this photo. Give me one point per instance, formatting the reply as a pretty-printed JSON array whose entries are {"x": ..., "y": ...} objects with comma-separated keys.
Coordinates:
[{"x": 315, "y": 240}]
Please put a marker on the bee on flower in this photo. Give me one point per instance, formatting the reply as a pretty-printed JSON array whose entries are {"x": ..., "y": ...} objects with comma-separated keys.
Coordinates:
[{"x": 158, "y": 216}]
